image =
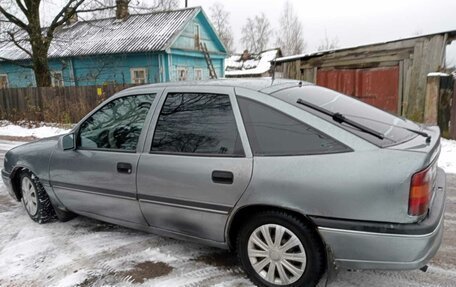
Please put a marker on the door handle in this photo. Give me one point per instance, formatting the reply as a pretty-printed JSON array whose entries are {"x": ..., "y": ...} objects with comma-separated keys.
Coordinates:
[
  {"x": 223, "y": 177},
  {"x": 124, "y": 167}
]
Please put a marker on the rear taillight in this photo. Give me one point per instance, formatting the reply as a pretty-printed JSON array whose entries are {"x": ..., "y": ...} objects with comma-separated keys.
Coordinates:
[{"x": 420, "y": 192}]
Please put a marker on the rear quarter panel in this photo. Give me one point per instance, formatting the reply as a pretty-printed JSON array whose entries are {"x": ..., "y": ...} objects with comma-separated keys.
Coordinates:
[{"x": 368, "y": 183}]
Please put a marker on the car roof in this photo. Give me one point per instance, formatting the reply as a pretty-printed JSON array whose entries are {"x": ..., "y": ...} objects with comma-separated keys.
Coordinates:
[{"x": 266, "y": 85}]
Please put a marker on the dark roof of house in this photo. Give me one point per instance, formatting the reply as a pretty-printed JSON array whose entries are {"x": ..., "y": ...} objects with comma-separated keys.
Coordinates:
[
  {"x": 149, "y": 32},
  {"x": 451, "y": 37}
]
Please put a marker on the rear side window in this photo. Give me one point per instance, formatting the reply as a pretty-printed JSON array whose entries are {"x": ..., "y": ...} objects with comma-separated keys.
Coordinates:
[
  {"x": 272, "y": 132},
  {"x": 197, "y": 124}
]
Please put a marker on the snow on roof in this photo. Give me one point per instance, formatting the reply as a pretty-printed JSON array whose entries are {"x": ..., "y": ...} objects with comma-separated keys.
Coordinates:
[
  {"x": 137, "y": 33},
  {"x": 258, "y": 65},
  {"x": 438, "y": 74}
]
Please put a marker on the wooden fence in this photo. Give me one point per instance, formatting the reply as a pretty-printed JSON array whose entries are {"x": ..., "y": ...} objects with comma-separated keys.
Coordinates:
[{"x": 56, "y": 105}]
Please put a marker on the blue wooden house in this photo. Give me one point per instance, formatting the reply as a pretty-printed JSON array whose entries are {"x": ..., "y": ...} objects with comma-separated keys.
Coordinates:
[{"x": 142, "y": 48}]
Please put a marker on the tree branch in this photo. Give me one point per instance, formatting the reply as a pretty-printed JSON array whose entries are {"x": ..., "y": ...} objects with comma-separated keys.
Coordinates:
[
  {"x": 22, "y": 7},
  {"x": 13, "y": 39},
  {"x": 14, "y": 20},
  {"x": 66, "y": 13}
]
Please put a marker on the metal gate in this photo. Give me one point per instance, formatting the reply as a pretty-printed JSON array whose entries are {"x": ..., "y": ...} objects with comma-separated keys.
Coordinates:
[{"x": 376, "y": 86}]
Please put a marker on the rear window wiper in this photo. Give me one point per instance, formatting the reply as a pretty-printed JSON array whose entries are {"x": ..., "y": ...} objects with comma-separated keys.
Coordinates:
[{"x": 340, "y": 118}]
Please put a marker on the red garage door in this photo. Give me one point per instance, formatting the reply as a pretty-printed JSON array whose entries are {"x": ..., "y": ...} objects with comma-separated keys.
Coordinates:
[{"x": 377, "y": 86}]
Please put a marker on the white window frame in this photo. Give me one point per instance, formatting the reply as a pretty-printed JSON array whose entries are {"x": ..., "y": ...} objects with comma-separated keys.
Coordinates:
[
  {"x": 7, "y": 81},
  {"x": 195, "y": 73},
  {"x": 179, "y": 69},
  {"x": 61, "y": 82},
  {"x": 197, "y": 36},
  {"x": 133, "y": 78}
]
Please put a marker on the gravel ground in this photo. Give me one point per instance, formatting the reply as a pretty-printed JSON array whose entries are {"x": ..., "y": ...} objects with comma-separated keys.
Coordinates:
[{"x": 86, "y": 252}]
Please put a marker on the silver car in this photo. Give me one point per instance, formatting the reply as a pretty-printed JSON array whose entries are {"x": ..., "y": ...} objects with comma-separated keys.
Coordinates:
[{"x": 295, "y": 178}]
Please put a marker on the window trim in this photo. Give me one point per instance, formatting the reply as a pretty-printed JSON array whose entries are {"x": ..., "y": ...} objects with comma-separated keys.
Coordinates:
[
  {"x": 186, "y": 73},
  {"x": 144, "y": 130},
  {"x": 53, "y": 78},
  {"x": 251, "y": 142},
  {"x": 138, "y": 69},
  {"x": 7, "y": 81},
  {"x": 159, "y": 109},
  {"x": 197, "y": 36},
  {"x": 194, "y": 74}
]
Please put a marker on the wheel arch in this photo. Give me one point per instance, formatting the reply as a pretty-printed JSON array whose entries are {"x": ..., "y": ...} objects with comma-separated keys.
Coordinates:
[
  {"x": 236, "y": 221},
  {"x": 15, "y": 178}
]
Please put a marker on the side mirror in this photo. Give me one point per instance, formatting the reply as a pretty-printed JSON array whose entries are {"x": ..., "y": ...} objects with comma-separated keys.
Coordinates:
[{"x": 68, "y": 142}]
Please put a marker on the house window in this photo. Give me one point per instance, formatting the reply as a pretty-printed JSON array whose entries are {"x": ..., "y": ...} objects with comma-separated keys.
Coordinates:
[
  {"x": 181, "y": 74},
  {"x": 198, "y": 74},
  {"x": 3, "y": 81},
  {"x": 197, "y": 36},
  {"x": 56, "y": 78},
  {"x": 138, "y": 76}
]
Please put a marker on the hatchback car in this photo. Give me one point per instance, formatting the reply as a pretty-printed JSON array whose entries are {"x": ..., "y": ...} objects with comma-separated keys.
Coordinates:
[{"x": 294, "y": 177}]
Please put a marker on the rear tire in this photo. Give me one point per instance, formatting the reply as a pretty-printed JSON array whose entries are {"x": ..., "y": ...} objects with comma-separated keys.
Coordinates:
[
  {"x": 35, "y": 199},
  {"x": 277, "y": 249}
]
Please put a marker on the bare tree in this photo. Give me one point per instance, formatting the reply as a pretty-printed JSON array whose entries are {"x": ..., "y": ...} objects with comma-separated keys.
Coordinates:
[
  {"x": 290, "y": 36},
  {"x": 328, "y": 44},
  {"x": 29, "y": 35},
  {"x": 21, "y": 24},
  {"x": 221, "y": 20},
  {"x": 256, "y": 33}
]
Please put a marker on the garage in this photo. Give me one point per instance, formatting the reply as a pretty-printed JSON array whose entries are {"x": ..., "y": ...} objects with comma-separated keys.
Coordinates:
[{"x": 376, "y": 86}]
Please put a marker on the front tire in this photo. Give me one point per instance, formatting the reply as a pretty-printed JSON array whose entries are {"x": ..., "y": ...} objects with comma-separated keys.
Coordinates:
[
  {"x": 278, "y": 249},
  {"x": 35, "y": 199}
]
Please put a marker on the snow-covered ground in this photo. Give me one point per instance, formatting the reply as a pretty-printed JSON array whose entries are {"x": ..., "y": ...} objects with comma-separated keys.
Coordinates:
[
  {"x": 86, "y": 252},
  {"x": 43, "y": 131}
]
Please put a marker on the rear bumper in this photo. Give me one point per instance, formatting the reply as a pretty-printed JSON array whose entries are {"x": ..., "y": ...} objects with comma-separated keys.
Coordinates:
[
  {"x": 387, "y": 246},
  {"x": 6, "y": 177}
]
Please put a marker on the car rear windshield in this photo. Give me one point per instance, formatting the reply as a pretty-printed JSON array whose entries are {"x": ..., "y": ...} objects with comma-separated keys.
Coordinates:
[{"x": 393, "y": 128}]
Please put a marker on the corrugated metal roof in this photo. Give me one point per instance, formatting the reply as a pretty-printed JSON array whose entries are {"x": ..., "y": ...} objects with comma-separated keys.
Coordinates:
[
  {"x": 138, "y": 33},
  {"x": 451, "y": 34}
]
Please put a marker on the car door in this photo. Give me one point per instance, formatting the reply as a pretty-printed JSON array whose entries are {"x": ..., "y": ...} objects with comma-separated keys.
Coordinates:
[
  {"x": 196, "y": 162},
  {"x": 98, "y": 178}
]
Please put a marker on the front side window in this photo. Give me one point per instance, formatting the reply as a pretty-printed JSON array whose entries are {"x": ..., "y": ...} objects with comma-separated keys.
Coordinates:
[
  {"x": 273, "y": 133},
  {"x": 117, "y": 125},
  {"x": 138, "y": 76},
  {"x": 197, "y": 124}
]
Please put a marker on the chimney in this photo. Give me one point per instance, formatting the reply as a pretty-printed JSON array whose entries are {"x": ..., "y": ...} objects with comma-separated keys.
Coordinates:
[
  {"x": 73, "y": 19},
  {"x": 122, "y": 9},
  {"x": 246, "y": 56}
]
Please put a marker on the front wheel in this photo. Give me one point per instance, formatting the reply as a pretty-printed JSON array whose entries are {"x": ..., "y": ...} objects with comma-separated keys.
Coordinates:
[
  {"x": 277, "y": 249},
  {"x": 35, "y": 199}
]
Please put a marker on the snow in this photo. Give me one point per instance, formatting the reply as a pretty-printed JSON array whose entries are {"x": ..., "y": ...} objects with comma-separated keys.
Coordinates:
[
  {"x": 437, "y": 74},
  {"x": 447, "y": 159},
  {"x": 38, "y": 132},
  {"x": 258, "y": 65},
  {"x": 95, "y": 253}
]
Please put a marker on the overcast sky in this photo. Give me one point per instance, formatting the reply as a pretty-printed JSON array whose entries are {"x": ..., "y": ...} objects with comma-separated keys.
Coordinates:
[{"x": 353, "y": 22}]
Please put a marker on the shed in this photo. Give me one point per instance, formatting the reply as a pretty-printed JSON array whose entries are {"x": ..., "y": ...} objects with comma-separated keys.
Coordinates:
[
  {"x": 248, "y": 65},
  {"x": 390, "y": 75}
]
